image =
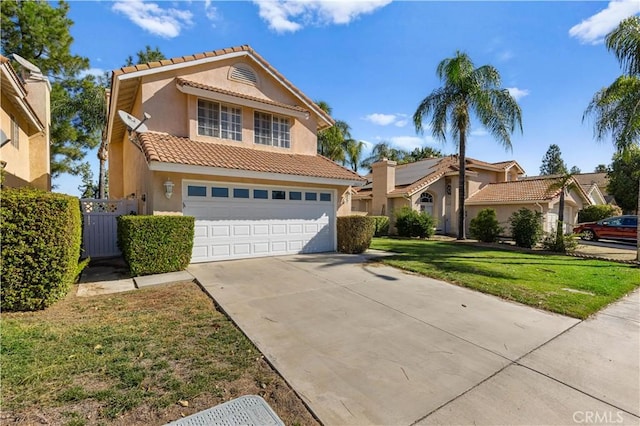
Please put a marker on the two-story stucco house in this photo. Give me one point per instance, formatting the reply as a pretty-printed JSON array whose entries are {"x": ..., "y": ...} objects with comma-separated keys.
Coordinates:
[
  {"x": 24, "y": 120},
  {"x": 232, "y": 142},
  {"x": 431, "y": 185}
]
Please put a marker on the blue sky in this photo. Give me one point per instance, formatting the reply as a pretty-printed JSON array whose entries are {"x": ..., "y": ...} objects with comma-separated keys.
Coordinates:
[{"x": 374, "y": 61}]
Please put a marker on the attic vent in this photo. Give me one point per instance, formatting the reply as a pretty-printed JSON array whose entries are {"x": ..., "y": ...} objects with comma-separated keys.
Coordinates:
[{"x": 243, "y": 73}]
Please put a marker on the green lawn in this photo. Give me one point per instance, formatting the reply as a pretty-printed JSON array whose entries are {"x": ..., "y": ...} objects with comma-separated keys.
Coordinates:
[
  {"x": 138, "y": 358},
  {"x": 539, "y": 280}
]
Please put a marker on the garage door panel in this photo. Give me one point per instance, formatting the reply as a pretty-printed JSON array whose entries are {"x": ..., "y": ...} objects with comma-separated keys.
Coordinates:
[{"x": 233, "y": 229}]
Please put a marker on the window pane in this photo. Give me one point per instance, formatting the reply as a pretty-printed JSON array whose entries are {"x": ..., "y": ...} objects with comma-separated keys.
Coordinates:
[
  {"x": 325, "y": 196},
  {"x": 311, "y": 196},
  {"x": 196, "y": 191},
  {"x": 231, "y": 123},
  {"x": 208, "y": 118},
  {"x": 278, "y": 195},
  {"x": 220, "y": 192},
  {"x": 262, "y": 194},
  {"x": 262, "y": 128},
  {"x": 295, "y": 195},
  {"x": 240, "y": 193}
]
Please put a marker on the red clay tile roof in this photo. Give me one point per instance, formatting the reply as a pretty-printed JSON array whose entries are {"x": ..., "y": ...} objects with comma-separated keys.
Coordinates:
[
  {"x": 167, "y": 148},
  {"x": 183, "y": 82},
  {"x": 519, "y": 190}
]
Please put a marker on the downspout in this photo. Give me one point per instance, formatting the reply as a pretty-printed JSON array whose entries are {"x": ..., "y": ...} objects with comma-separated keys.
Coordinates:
[{"x": 541, "y": 211}]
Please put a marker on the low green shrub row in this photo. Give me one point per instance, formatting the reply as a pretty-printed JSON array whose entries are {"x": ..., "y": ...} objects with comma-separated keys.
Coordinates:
[
  {"x": 355, "y": 233},
  {"x": 485, "y": 226},
  {"x": 41, "y": 237},
  {"x": 381, "y": 225},
  {"x": 155, "y": 244},
  {"x": 526, "y": 227},
  {"x": 598, "y": 212}
]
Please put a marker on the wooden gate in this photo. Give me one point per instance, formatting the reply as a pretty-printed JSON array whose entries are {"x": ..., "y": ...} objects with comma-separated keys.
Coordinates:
[{"x": 100, "y": 228}]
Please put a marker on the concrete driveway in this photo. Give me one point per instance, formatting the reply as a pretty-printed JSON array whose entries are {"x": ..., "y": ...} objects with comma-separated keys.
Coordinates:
[{"x": 367, "y": 344}]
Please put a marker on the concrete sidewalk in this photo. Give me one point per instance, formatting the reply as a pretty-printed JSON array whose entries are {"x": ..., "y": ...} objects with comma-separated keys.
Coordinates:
[{"x": 369, "y": 344}]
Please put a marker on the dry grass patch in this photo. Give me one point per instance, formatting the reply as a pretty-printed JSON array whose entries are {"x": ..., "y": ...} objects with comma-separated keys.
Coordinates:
[{"x": 134, "y": 358}]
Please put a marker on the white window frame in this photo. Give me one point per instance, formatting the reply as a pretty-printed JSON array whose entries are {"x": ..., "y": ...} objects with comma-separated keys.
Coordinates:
[
  {"x": 278, "y": 132},
  {"x": 15, "y": 132},
  {"x": 222, "y": 121},
  {"x": 426, "y": 206}
]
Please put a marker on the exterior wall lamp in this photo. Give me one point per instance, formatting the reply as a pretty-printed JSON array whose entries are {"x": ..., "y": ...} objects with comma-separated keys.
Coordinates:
[{"x": 168, "y": 188}]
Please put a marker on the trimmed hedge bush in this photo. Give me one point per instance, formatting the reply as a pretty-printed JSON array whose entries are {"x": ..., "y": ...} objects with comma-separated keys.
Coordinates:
[
  {"x": 526, "y": 227},
  {"x": 411, "y": 223},
  {"x": 41, "y": 237},
  {"x": 485, "y": 226},
  {"x": 155, "y": 244},
  {"x": 355, "y": 233},
  {"x": 598, "y": 212},
  {"x": 381, "y": 226}
]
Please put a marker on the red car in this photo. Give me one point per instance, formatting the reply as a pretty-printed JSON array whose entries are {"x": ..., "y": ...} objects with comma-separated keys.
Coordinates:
[{"x": 613, "y": 228}]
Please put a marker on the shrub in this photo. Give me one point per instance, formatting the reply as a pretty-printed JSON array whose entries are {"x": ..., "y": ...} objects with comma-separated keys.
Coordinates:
[
  {"x": 155, "y": 244},
  {"x": 485, "y": 226},
  {"x": 411, "y": 223},
  {"x": 526, "y": 227},
  {"x": 598, "y": 212},
  {"x": 381, "y": 226},
  {"x": 355, "y": 233},
  {"x": 568, "y": 244},
  {"x": 41, "y": 237}
]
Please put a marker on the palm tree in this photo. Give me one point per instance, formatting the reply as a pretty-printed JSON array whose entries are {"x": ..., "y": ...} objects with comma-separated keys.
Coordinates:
[
  {"x": 354, "y": 152},
  {"x": 331, "y": 141},
  {"x": 384, "y": 150},
  {"x": 468, "y": 89},
  {"x": 564, "y": 183},
  {"x": 616, "y": 109}
]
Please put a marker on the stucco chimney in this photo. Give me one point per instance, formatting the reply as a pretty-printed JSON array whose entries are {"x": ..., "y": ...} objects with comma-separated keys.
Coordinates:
[{"x": 384, "y": 181}]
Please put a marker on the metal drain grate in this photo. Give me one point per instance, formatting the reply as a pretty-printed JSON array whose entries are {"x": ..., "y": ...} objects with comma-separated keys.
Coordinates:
[{"x": 247, "y": 410}]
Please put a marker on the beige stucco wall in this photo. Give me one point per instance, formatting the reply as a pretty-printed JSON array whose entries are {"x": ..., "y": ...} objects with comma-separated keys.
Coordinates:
[
  {"x": 175, "y": 113},
  {"x": 28, "y": 163}
]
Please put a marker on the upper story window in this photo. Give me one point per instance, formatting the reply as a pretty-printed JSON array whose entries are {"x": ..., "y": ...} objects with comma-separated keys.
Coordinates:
[
  {"x": 219, "y": 120},
  {"x": 271, "y": 130},
  {"x": 15, "y": 132}
]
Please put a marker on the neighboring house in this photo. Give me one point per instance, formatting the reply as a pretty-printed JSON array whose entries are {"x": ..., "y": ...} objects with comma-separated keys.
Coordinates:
[
  {"x": 595, "y": 185},
  {"x": 25, "y": 121},
  {"x": 431, "y": 185},
  {"x": 538, "y": 194},
  {"x": 232, "y": 142}
]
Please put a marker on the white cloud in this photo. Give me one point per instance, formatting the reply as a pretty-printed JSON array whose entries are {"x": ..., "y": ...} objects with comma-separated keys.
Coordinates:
[
  {"x": 517, "y": 93},
  {"x": 152, "y": 18},
  {"x": 292, "y": 15},
  {"x": 505, "y": 55},
  {"x": 479, "y": 133},
  {"x": 398, "y": 120},
  {"x": 210, "y": 10},
  {"x": 381, "y": 119},
  {"x": 593, "y": 29}
]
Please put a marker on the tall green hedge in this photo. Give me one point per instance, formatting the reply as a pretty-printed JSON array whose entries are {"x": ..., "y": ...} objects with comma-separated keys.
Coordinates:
[
  {"x": 382, "y": 226},
  {"x": 598, "y": 212},
  {"x": 155, "y": 244},
  {"x": 354, "y": 233},
  {"x": 41, "y": 237}
]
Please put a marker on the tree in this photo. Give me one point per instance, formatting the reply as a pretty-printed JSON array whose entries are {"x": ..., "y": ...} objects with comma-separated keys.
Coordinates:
[
  {"x": 600, "y": 168},
  {"x": 422, "y": 153},
  {"x": 88, "y": 189},
  {"x": 383, "y": 150},
  {"x": 624, "y": 178},
  {"x": 332, "y": 141},
  {"x": 354, "y": 152},
  {"x": 615, "y": 108},
  {"x": 563, "y": 184},
  {"x": 467, "y": 89},
  {"x": 552, "y": 163},
  {"x": 39, "y": 32},
  {"x": 145, "y": 56},
  {"x": 575, "y": 170}
]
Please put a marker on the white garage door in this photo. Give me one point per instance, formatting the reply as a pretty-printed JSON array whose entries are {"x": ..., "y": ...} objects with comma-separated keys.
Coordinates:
[{"x": 235, "y": 221}]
